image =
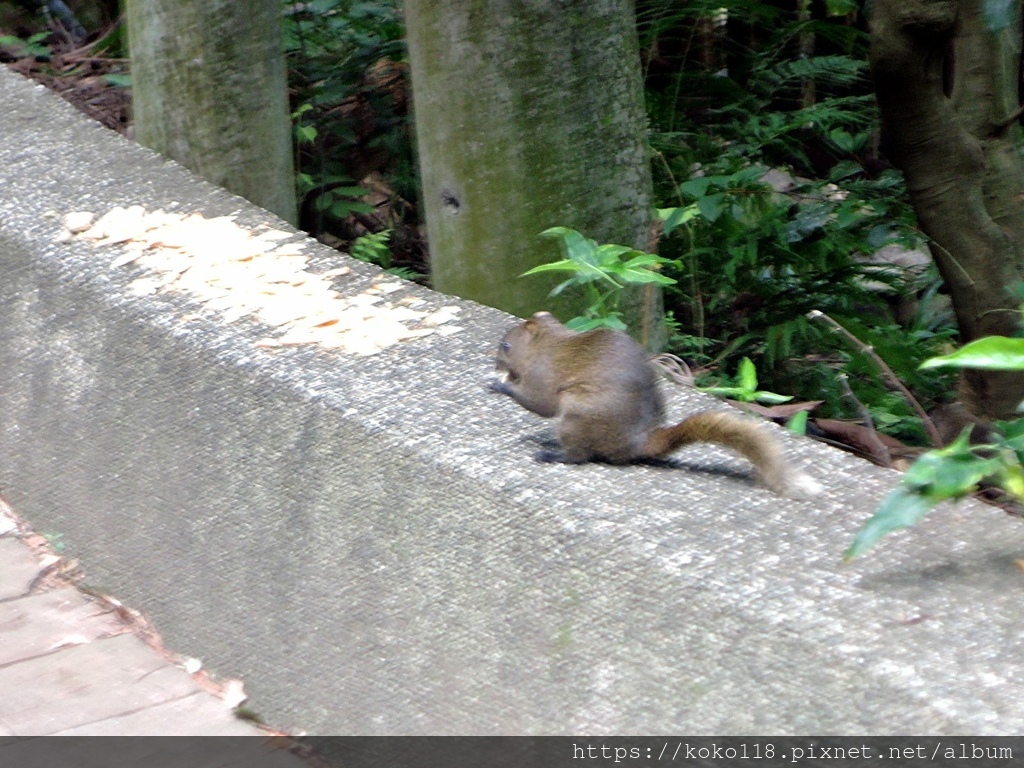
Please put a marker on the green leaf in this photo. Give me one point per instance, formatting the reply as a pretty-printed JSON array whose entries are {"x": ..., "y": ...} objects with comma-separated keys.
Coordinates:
[
  {"x": 951, "y": 471},
  {"x": 798, "y": 424},
  {"x": 561, "y": 286},
  {"x": 696, "y": 187},
  {"x": 747, "y": 375},
  {"x": 736, "y": 393},
  {"x": 674, "y": 218},
  {"x": 711, "y": 207},
  {"x": 342, "y": 208},
  {"x": 304, "y": 182},
  {"x": 304, "y": 134},
  {"x": 1011, "y": 480},
  {"x": 844, "y": 169},
  {"x": 901, "y": 509},
  {"x": 576, "y": 247},
  {"x": 1011, "y": 430},
  {"x": 992, "y": 353},
  {"x": 608, "y": 254},
  {"x": 30, "y": 47},
  {"x": 840, "y": 7},
  {"x": 628, "y": 273},
  {"x": 581, "y": 324},
  {"x": 349, "y": 191},
  {"x": 849, "y": 215},
  {"x": 405, "y": 273},
  {"x": 555, "y": 266},
  {"x": 119, "y": 81},
  {"x": 642, "y": 275},
  {"x": 947, "y": 473},
  {"x": 949, "y": 478},
  {"x": 644, "y": 260},
  {"x": 771, "y": 398}
]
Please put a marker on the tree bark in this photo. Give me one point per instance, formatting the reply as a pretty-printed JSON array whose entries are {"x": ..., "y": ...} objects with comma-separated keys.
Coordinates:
[
  {"x": 947, "y": 89},
  {"x": 528, "y": 116},
  {"x": 209, "y": 91}
]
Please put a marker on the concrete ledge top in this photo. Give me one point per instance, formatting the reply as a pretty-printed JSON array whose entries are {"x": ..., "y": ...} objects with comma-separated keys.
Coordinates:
[{"x": 369, "y": 544}]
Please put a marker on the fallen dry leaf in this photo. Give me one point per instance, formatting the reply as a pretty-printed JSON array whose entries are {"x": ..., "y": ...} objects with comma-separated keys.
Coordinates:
[
  {"x": 783, "y": 411},
  {"x": 69, "y": 641},
  {"x": 875, "y": 446},
  {"x": 78, "y": 221},
  {"x": 233, "y": 693},
  {"x": 240, "y": 274}
]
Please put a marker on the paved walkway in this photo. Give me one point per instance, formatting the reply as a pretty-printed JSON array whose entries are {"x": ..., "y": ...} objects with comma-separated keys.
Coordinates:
[{"x": 75, "y": 664}]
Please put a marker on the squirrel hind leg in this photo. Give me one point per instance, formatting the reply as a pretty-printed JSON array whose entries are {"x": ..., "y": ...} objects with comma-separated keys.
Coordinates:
[{"x": 585, "y": 438}]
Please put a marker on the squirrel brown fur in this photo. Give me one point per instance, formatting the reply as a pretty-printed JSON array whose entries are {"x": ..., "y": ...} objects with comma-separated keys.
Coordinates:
[{"x": 601, "y": 387}]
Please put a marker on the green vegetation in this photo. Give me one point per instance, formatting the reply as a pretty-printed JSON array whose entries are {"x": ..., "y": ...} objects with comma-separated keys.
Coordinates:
[
  {"x": 745, "y": 390},
  {"x": 960, "y": 468},
  {"x": 601, "y": 272},
  {"x": 33, "y": 46},
  {"x": 349, "y": 87},
  {"x": 373, "y": 248},
  {"x": 775, "y": 198}
]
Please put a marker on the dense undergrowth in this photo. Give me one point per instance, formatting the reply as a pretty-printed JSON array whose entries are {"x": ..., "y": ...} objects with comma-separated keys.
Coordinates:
[{"x": 764, "y": 118}]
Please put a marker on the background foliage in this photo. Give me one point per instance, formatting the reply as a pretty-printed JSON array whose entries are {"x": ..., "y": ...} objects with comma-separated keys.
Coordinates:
[{"x": 763, "y": 118}]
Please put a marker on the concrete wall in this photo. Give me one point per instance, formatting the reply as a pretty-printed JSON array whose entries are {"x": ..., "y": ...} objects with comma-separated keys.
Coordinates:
[{"x": 369, "y": 545}]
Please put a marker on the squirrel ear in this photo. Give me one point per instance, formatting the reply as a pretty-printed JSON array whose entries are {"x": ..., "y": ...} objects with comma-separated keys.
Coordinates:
[
  {"x": 541, "y": 322},
  {"x": 536, "y": 324}
]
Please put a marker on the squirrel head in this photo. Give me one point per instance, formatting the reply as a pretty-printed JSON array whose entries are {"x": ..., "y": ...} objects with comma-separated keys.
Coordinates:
[{"x": 520, "y": 343}]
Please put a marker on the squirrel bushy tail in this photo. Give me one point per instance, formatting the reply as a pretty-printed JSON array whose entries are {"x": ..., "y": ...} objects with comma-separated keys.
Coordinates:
[{"x": 735, "y": 432}]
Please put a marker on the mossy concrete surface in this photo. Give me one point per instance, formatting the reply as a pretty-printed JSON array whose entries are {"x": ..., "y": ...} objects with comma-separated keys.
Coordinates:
[{"x": 368, "y": 543}]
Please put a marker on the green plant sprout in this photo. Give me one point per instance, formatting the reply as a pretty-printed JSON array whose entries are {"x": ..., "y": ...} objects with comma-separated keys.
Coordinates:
[
  {"x": 745, "y": 390},
  {"x": 601, "y": 272},
  {"x": 798, "y": 424},
  {"x": 373, "y": 248},
  {"x": 33, "y": 46}
]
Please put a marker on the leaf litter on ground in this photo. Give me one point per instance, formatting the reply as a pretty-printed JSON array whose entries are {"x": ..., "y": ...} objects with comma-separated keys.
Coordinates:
[{"x": 264, "y": 276}]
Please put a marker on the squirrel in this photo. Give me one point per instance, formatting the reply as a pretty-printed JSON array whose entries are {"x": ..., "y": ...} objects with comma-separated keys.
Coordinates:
[{"x": 604, "y": 392}]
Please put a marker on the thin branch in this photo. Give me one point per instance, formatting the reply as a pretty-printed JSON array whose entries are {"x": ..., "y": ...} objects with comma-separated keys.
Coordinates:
[
  {"x": 1002, "y": 126},
  {"x": 883, "y": 451},
  {"x": 886, "y": 371}
]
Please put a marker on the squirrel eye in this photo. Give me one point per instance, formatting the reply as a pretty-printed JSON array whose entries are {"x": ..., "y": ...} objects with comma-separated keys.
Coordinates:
[{"x": 504, "y": 346}]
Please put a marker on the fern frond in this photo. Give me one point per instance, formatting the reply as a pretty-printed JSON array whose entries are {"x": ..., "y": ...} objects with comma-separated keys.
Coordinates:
[{"x": 836, "y": 71}]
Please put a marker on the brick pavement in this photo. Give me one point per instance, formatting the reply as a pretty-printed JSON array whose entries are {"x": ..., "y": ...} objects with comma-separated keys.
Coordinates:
[{"x": 77, "y": 664}]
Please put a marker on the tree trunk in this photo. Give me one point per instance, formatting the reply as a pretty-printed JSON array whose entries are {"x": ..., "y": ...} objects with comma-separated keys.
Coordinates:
[
  {"x": 947, "y": 89},
  {"x": 528, "y": 116},
  {"x": 209, "y": 91}
]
